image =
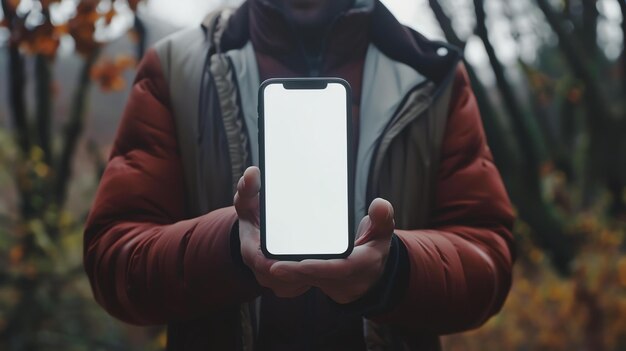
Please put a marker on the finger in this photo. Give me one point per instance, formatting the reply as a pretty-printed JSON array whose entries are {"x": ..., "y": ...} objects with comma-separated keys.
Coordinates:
[
  {"x": 360, "y": 278},
  {"x": 381, "y": 223},
  {"x": 246, "y": 199},
  {"x": 282, "y": 282},
  {"x": 318, "y": 272},
  {"x": 250, "y": 183},
  {"x": 287, "y": 271},
  {"x": 262, "y": 264},
  {"x": 364, "y": 226},
  {"x": 381, "y": 213}
]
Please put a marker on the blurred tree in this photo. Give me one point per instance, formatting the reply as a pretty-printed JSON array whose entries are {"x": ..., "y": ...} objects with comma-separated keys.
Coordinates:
[
  {"x": 520, "y": 155},
  {"x": 527, "y": 192},
  {"x": 42, "y": 242},
  {"x": 568, "y": 101},
  {"x": 606, "y": 119},
  {"x": 589, "y": 27}
]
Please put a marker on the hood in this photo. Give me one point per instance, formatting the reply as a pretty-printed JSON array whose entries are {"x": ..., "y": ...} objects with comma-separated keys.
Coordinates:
[{"x": 367, "y": 22}]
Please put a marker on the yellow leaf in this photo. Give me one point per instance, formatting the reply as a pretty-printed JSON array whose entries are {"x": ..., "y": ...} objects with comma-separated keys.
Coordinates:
[
  {"x": 161, "y": 340},
  {"x": 36, "y": 154},
  {"x": 41, "y": 169}
]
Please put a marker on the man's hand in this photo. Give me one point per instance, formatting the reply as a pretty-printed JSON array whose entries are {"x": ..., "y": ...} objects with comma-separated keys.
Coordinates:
[
  {"x": 346, "y": 280},
  {"x": 247, "y": 206}
]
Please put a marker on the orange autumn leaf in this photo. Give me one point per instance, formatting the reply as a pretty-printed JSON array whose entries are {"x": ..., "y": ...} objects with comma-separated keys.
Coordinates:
[
  {"x": 83, "y": 25},
  {"x": 125, "y": 62},
  {"x": 109, "y": 73},
  {"x": 109, "y": 15},
  {"x": 16, "y": 254},
  {"x": 41, "y": 40},
  {"x": 62, "y": 29}
]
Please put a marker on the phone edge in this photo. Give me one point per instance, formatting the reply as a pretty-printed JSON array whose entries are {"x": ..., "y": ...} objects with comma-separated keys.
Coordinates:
[{"x": 351, "y": 171}]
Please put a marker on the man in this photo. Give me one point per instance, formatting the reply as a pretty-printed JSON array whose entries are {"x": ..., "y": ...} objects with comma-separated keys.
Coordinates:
[{"x": 165, "y": 245}]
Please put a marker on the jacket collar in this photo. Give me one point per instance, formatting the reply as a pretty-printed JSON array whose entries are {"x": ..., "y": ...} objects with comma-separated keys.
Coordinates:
[{"x": 435, "y": 60}]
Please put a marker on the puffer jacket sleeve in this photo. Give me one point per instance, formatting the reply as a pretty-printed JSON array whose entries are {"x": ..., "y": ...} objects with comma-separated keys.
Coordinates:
[
  {"x": 460, "y": 268},
  {"x": 147, "y": 263}
]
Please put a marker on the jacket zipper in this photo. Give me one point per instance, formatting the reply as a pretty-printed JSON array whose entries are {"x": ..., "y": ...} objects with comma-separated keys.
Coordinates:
[
  {"x": 395, "y": 118},
  {"x": 434, "y": 93}
]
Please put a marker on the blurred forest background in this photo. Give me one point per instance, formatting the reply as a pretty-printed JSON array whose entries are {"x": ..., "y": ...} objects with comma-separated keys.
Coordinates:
[{"x": 550, "y": 77}]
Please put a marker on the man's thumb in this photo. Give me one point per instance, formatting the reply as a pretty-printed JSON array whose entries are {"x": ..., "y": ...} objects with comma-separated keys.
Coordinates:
[
  {"x": 250, "y": 184},
  {"x": 246, "y": 199},
  {"x": 381, "y": 216}
]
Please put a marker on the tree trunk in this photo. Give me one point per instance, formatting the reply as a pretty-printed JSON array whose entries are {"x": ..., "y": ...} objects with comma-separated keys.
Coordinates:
[
  {"x": 140, "y": 31},
  {"x": 73, "y": 131},
  {"x": 590, "y": 27},
  {"x": 43, "y": 83},
  {"x": 15, "y": 72}
]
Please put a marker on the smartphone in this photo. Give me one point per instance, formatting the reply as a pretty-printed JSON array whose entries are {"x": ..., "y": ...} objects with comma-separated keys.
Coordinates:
[{"x": 305, "y": 157}]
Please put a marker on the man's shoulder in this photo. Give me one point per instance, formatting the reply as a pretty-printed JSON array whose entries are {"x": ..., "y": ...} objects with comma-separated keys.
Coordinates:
[
  {"x": 223, "y": 27},
  {"x": 179, "y": 49},
  {"x": 182, "y": 40}
]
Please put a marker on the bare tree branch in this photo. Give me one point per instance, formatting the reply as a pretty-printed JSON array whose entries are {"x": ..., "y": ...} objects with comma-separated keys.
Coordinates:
[
  {"x": 73, "y": 130},
  {"x": 446, "y": 24},
  {"x": 17, "y": 79},
  {"x": 44, "y": 105},
  {"x": 590, "y": 27},
  {"x": 622, "y": 6},
  {"x": 140, "y": 31}
]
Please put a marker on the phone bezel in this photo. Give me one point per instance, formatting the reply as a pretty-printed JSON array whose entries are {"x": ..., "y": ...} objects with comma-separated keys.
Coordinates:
[{"x": 307, "y": 83}]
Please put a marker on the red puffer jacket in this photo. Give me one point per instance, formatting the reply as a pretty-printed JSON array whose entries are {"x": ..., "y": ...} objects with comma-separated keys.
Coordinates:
[{"x": 150, "y": 263}]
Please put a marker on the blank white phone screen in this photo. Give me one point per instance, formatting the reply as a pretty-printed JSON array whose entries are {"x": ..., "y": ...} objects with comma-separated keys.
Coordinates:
[{"x": 306, "y": 170}]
